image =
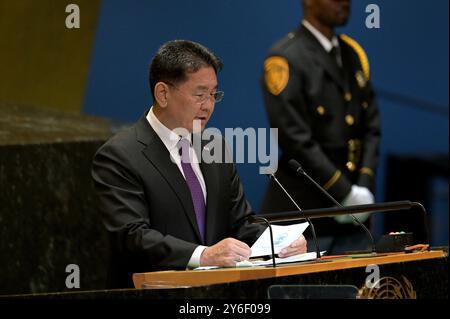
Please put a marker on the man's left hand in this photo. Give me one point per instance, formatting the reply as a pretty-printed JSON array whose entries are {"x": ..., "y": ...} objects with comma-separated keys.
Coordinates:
[{"x": 299, "y": 246}]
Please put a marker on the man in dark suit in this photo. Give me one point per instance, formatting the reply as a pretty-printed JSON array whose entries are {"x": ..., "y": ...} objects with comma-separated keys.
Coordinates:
[
  {"x": 318, "y": 94},
  {"x": 164, "y": 207}
]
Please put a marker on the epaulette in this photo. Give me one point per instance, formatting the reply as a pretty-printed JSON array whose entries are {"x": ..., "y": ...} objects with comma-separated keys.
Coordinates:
[
  {"x": 360, "y": 52},
  {"x": 285, "y": 41}
]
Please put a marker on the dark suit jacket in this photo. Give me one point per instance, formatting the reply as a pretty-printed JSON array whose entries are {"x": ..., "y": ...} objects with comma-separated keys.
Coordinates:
[
  {"x": 328, "y": 121},
  {"x": 147, "y": 206}
]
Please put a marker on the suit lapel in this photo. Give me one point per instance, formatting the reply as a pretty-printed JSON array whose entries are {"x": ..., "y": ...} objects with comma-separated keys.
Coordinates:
[
  {"x": 156, "y": 152},
  {"x": 322, "y": 57}
]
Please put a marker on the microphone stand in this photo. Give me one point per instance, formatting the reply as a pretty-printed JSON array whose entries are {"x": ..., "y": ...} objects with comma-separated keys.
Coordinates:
[
  {"x": 252, "y": 218},
  {"x": 265, "y": 221},
  {"x": 313, "y": 231},
  {"x": 297, "y": 167}
]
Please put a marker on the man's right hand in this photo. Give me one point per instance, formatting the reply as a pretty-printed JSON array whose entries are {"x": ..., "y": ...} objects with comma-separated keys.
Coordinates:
[{"x": 225, "y": 253}]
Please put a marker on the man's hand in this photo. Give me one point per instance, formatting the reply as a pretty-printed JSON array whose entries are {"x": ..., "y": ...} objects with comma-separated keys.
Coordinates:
[
  {"x": 358, "y": 196},
  {"x": 225, "y": 253},
  {"x": 299, "y": 246}
]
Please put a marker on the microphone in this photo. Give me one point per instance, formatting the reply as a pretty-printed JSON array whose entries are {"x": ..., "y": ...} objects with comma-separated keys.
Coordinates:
[
  {"x": 298, "y": 169},
  {"x": 313, "y": 231}
]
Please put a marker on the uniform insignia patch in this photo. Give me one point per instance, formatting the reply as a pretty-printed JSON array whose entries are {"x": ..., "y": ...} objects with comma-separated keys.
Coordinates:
[
  {"x": 276, "y": 74},
  {"x": 360, "y": 78}
]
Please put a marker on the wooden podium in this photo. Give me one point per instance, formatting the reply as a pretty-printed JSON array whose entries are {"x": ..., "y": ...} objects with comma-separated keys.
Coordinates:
[{"x": 421, "y": 275}]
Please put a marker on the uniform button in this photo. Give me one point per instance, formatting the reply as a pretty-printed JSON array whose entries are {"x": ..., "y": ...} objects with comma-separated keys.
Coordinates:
[
  {"x": 360, "y": 79},
  {"x": 321, "y": 110},
  {"x": 365, "y": 105},
  {"x": 351, "y": 166},
  {"x": 351, "y": 143},
  {"x": 348, "y": 97},
  {"x": 349, "y": 120}
]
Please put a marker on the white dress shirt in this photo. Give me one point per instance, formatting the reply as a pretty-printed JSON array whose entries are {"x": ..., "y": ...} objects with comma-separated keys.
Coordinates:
[
  {"x": 170, "y": 140},
  {"x": 324, "y": 41}
]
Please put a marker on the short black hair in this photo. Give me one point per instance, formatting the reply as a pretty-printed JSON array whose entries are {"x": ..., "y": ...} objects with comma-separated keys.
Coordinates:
[{"x": 176, "y": 58}]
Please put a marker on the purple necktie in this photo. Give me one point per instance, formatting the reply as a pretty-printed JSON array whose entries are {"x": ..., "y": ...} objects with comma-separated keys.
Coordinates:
[{"x": 194, "y": 185}]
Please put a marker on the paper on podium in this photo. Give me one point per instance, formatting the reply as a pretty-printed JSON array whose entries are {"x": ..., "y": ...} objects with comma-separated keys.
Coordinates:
[
  {"x": 283, "y": 236},
  {"x": 279, "y": 261}
]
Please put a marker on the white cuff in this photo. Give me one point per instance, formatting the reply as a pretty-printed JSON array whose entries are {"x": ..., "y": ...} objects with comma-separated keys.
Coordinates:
[{"x": 194, "y": 262}]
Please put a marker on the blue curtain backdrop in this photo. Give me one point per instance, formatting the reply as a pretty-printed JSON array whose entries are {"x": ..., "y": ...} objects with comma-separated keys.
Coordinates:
[{"x": 408, "y": 55}]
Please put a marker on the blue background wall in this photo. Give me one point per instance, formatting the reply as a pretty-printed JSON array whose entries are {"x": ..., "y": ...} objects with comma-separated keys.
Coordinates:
[{"x": 408, "y": 55}]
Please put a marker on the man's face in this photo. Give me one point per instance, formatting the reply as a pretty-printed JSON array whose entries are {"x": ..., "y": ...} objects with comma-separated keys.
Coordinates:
[
  {"x": 183, "y": 103},
  {"x": 332, "y": 13}
]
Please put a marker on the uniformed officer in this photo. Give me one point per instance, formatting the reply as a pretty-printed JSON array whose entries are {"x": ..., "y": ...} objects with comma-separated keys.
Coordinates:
[{"x": 318, "y": 94}]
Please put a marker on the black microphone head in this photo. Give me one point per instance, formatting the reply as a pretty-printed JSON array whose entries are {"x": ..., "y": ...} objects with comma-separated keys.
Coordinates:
[{"x": 296, "y": 166}]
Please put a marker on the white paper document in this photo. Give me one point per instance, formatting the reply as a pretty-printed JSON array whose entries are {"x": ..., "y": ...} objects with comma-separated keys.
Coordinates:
[
  {"x": 283, "y": 236},
  {"x": 279, "y": 261}
]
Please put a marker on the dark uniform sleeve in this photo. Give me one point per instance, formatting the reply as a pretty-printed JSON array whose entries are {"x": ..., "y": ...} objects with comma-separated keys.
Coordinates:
[
  {"x": 287, "y": 111},
  {"x": 371, "y": 140}
]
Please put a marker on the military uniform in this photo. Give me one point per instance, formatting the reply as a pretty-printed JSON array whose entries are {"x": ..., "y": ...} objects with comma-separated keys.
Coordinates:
[{"x": 327, "y": 120}]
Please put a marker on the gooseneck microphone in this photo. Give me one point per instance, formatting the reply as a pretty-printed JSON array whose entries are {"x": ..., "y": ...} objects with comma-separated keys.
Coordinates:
[
  {"x": 313, "y": 231},
  {"x": 298, "y": 168}
]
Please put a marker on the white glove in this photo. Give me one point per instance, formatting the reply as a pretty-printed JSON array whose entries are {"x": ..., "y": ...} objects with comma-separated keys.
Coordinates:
[{"x": 358, "y": 196}]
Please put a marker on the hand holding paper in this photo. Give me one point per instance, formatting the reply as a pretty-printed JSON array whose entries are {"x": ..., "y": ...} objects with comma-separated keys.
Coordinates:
[
  {"x": 288, "y": 239},
  {"x": 296, "y": 248}
]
